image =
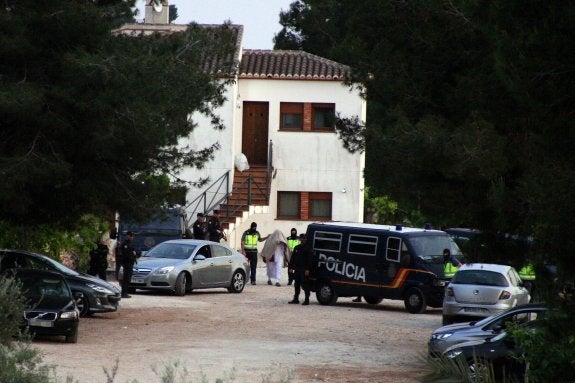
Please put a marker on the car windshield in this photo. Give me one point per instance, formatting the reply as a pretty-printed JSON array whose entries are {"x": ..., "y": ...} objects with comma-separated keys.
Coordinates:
[
  {"x": 430, "y": 247},
  {"x": 171, "y": 250},
  {"x": 34, "y": 287},
  {"x": 60, "y": 267},
  {"x": 479, "y": 277}
]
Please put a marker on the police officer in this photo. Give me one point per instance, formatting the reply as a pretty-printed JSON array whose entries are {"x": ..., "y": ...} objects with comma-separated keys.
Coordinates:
[
  {"x": 128, "y": 260},
  {"x": 450, "y": 264},
  {"x": 199, "y": 227},
  {"x": 215, "y": 231},
  {"x": 292, "y": 242},
  {"x": 527, "y": 275},
  {"x": 299, "y": 266},
  {"x": 249, "y": 243},
  {"x": 99, "y": 261}
]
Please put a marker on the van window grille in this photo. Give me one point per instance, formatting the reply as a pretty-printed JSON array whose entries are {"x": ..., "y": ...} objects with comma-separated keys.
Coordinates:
[
  {"x": 393, "y": 249},
  {"x": 362, "y": 244},
  {"x": 327, "y": 241}
]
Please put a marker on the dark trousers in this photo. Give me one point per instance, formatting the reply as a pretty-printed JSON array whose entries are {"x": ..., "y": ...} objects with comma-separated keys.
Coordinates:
[
  {"x": 118, "y": 266},
  {"x": 252, "y": 256},
  {"x": 128, "y": 271},
  {"x": 99, "y": 272},
  {"x": 300, "y": 282}
]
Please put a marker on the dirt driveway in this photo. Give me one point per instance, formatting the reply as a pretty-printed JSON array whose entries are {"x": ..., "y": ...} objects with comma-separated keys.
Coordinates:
[{"x": 255, "y": 335}]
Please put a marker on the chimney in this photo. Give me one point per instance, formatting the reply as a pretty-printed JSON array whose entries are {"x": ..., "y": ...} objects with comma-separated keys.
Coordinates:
[{"x": 157, "y": 12}]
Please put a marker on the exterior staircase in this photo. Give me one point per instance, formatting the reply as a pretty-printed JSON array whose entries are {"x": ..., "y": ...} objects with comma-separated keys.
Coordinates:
[{"x": 250, "y": 187}]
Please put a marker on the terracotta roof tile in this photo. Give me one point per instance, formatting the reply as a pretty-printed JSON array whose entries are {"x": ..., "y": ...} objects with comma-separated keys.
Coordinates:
[{"x": 294, "y": 65}]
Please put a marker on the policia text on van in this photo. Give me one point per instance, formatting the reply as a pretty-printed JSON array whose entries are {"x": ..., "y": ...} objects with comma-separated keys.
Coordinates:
[{"x": 377, "y": 262}]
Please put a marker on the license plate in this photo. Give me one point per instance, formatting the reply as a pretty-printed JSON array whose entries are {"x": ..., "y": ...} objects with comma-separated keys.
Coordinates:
[
  {"x": 137, "y": 280},
  {"x": 473, "y": 310},
  {"x": 40, "y": 323}
]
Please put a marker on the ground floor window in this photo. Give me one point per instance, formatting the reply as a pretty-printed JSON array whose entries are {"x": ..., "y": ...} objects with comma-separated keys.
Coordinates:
[{"x": 315, "y": 206}]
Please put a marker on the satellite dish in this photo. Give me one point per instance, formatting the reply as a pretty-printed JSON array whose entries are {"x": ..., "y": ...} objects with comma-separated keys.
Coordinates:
[{"x": 157, "y": 5}]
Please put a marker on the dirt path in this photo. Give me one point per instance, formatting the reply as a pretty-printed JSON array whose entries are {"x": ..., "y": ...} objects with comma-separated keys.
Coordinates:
[{"x": 255, "y": 335}]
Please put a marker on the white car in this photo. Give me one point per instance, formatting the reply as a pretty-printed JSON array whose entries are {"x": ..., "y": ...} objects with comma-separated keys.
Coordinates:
[
  {"x": 479, "y": 290},
  {"x": 182, "y": 265}
]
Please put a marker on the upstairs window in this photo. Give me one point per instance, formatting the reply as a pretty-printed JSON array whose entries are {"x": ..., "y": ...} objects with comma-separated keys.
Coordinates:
[
  {"x": 320, "y": 206},
  {"x": 323, "y": 117},
  {"x": 291, "y": 116}
]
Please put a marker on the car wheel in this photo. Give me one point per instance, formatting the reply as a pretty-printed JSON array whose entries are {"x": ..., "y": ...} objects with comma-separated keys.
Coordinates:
[
  {"x": 72, "y": 338},
  {"x": 180, "y": 288},
  {"x": 238, "y": 282},
  {"x": 414, "y": 301},
  {"x": 372, "y": 300},
  {"x": 83, "y": 304},
  {"x": 325, "y": 294}
]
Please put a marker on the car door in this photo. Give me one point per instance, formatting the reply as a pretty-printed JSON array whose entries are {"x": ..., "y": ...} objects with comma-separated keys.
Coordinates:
[
  {"x": 203, "y": 270},
  {"x": 223, "y": 264}
]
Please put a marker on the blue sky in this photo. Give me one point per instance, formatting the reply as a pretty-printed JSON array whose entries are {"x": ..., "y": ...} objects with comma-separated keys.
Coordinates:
[{"x": 260, "y": 18}]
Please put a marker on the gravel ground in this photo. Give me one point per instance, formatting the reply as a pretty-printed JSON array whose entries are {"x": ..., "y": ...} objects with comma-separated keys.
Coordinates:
[{"x": 254, "y": 336}]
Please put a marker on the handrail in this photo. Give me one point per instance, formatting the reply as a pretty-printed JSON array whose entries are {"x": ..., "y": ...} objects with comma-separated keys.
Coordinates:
[
  {"x": 261, "y": 190},
  {"x": 213, "y": 202}
]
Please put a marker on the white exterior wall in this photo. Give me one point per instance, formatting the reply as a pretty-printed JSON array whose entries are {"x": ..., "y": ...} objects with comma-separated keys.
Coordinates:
[
  {"x": 205, "y": 135},
  {"x": 307, "y": 161},
  {"x": 304, "y": 161}
]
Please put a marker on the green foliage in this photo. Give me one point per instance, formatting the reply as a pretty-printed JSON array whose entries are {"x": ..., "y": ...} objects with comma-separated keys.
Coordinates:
[
  {"x": 52, "y": 241},
  {"x": 87, "y": 115},
  {"x": 469, "y": 120},
  {"x": 12, "y": 304},
  {"x": 19, "y": 362}
]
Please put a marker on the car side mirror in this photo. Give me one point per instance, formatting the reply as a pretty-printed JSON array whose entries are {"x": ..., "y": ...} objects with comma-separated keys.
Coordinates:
[{"x": 200, "y": 257}]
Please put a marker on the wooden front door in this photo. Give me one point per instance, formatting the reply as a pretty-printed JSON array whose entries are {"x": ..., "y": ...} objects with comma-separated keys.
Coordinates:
[{"x": 255, "y": 132}]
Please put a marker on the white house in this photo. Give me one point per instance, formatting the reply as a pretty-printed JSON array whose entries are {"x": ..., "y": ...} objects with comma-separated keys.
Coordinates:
[{"x": 280, "y": 114}]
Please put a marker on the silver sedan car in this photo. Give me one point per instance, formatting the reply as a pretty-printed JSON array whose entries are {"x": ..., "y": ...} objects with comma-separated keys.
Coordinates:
[
  {"x": 480, "y": 290},
  {"x": 182, "y": 265}
]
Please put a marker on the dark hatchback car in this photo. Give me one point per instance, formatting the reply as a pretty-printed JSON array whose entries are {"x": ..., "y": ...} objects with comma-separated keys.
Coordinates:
[
  {"x": 51, "y": 307},
  {"x": 97, "y": 296},
  {"x": 498, "y": 357}
]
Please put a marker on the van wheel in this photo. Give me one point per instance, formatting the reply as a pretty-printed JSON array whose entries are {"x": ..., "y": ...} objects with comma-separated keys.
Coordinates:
[
  {"x": 180, "y": 288},
  {"x": 414, "y": 301},
  {"x": 372, "y": 300},
  {"x": 325, "y": 294}
]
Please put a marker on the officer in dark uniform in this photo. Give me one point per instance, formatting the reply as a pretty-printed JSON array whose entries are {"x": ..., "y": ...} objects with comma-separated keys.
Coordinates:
[
  {"x": 215, "y": 231},
  {"x": 129, "y": 257},
  {"x": 292, "y": 242},
  {"x": 299, "y": 265},
  {"x": 199, "y": 227},
  {"x": 99, "y": 261}
]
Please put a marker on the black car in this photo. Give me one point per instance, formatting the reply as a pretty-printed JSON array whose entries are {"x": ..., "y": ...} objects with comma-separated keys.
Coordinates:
[
  {"x": 498, "y": 356},
  {"x": 97, "y": 295},
  {"x": 50, "y": 306}
]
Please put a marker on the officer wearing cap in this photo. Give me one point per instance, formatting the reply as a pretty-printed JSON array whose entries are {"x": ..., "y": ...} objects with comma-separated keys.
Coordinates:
[
  {"x": 199, "y": 227},
  {"x": 249, "y": 243},
  {"x": 128, "y": 259}
]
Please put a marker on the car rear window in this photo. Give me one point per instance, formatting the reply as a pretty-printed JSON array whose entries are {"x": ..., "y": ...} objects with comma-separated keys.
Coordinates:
[{"x": 479, "y": 277}]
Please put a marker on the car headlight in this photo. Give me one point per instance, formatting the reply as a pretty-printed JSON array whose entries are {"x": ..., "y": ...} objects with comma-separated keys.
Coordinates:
[
  {"x": 453, "y": 354},
  {"x": 504, "y": 295},
  {"x": 164, "y": 270},
  {"x": 441, "y": 336},
  {"x": 69, "y": 314},
  {"x": 438, "y": 282},
  {"x": 99, "y": 289}
]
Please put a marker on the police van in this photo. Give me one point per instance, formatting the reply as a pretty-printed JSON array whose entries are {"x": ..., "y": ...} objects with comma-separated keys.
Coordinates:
[{"x": 378, "y": 262}]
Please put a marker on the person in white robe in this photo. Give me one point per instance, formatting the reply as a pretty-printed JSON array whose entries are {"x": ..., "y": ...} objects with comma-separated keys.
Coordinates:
[{"x": 276, "y": 255}]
